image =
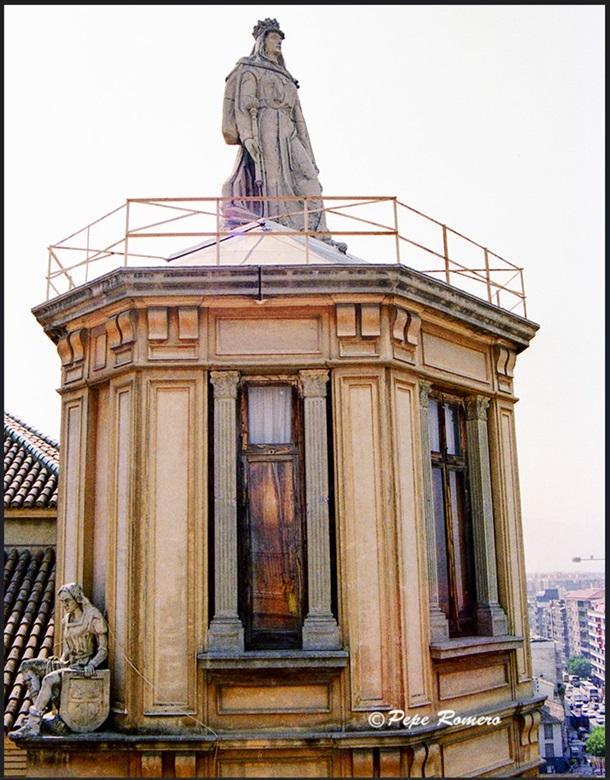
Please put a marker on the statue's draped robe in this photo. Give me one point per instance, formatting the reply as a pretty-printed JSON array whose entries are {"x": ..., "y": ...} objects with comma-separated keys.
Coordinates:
[{"x": 287, "y": 164}]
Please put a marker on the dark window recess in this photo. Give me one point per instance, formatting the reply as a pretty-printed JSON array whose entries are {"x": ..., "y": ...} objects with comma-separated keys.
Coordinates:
[
  {"x": 271, "y": 523},
  {"x": 454, "y": 542}
]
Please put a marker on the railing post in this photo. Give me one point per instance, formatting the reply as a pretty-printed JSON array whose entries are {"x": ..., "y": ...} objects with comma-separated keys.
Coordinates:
[
  {"x": 217, "y": 231},
  {"x": 87, "y": 257},
  {"x": 523, "y": 292},
  {"x": 446, "y": 254},
  {"x": 487, "y": 275},
  {"x": 396, "y": 230},
  {"x": 306, "y": 222},
  {"x": 126, "y": 232},
  {"x": 49, "y": 276}
]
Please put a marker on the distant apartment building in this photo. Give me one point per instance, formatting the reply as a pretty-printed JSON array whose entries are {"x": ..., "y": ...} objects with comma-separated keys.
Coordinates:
[
  {"x": 551, "y": 622},
  {"x": 596, "y": 623},
  {"x": 578, "y": 603},
  {"x": 563, "y": 581},
  {"x": 545, "y": 662},
  {"x": 553, "y": 748}
]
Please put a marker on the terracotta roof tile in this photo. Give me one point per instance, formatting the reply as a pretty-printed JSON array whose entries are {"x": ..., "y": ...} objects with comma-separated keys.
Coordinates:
[
  {"x": 31, "y": 466},
  {"x": 29, "y": 595}
]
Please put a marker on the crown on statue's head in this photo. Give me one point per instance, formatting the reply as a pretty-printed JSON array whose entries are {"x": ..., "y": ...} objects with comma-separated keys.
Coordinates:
[{"x": 265, "y": 26}]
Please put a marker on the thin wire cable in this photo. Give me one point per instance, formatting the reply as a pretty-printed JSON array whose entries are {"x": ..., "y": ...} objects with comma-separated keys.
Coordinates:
[{"x": 148, "y": 682}]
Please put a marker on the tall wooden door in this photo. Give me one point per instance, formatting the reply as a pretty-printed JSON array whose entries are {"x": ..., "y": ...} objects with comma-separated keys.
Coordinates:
[{"x": 272, "y": 544}]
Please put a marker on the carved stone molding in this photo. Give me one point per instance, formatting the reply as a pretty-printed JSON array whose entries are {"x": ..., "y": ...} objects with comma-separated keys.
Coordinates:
[
  {"x": 476, "y": 408},
  {"x": 406, "y": 329},
  {"x": 529, "y": 723},
  {"x": 424, "y": 394},
  {"x": 358, "y": 329},
  {"x": 72, "y": 352},
  {"x": 314, "y": 383},
  {"x": 433, "y": 766},
  {"x": 225, "y": 383},
  {"x": 419, "y": 760},
  {"x": 65, "y": 351},
  {"x": 157, "y": 324},
  {"x": 127, "y": 327},
  {"x": 188, "y": 323},
  {"x": 78, "y": 341},
  {"x": 505, "y": 360},
  {"x": 426, "y": 761},
  {"x": 173, "y": 333},
  {"x": 121, "y": 330}
]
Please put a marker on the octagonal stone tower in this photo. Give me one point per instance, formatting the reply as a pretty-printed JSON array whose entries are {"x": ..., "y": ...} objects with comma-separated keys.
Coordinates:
[{"x": 294, "y": 491}]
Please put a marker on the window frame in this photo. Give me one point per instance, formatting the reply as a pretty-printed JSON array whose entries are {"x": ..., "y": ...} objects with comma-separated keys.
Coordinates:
[
  {"x": 293, "y": 451},
  {"x": 446, "y": 463}
]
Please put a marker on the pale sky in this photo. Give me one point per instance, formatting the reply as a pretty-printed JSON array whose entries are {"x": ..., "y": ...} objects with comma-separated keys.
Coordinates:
[{"x": 489, "y": 119}]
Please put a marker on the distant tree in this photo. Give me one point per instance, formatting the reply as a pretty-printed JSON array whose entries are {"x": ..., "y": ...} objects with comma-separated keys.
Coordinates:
[
  {"x": 596, "y": 744},
  {"x": 579, "y": 666},
  {"x": 561, "y": 691}
]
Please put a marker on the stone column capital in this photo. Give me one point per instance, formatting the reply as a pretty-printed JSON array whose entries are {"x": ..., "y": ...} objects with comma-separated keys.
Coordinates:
[
  {"x": 424, "y": 393},
  {"x": 476, "y": 407},
  {"x": 313, "y": 382},
  {"x": 225, "y": 383}
]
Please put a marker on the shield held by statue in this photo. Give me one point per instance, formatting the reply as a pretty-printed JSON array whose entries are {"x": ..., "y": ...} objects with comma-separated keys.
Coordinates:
[{"x": 84, "y": 701}]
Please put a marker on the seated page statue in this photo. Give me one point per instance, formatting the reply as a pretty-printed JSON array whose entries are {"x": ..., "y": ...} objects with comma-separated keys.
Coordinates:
[{"x": 85, "y": 648}]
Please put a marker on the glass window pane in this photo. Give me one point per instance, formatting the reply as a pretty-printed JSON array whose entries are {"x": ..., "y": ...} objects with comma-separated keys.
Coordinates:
[
  {"x": 441, "y": 540},
  {"x": 435, "y": 441},
  {"x": 270, "y": 414},
  {"x": 462, "y": 547},
  {"x": 452, "y": 431}
]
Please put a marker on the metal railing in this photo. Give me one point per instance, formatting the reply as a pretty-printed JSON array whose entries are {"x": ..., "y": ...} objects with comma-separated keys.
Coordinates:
[{"x": 401, "y": 235}]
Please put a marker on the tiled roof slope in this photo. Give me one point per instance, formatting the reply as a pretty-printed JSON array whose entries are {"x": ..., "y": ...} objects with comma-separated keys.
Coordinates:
[
  {"x": 29, "y": 594},
  {"x": 585, "y": 595},
  {"x": 31, "y": 466}
]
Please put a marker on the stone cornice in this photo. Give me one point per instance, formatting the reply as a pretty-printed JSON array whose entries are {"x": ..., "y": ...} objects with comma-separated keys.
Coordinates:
[{"x": 286, "y": 281}]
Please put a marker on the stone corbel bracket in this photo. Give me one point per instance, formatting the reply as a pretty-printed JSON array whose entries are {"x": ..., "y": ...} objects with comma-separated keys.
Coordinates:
[
  {"x": 406, "y": 331},
  {"x": 173, "y": 333},
  {"x": 358, "y": 329},
  {"x": 426, "y": 761},
  {"x": 72, "y": 350},
  {"x": 528, "y": 728},
  {"x": 505, "y": 360},
  {"x": 121, "y": 330}
]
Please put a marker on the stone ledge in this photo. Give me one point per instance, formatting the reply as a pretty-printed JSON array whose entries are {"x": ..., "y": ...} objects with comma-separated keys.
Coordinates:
[
  {"x": 473, "y": 645},
  {"x": 275, "y": 659},
  {"x": 297, "y": 737},
  {"x": 198, "y": 283}
]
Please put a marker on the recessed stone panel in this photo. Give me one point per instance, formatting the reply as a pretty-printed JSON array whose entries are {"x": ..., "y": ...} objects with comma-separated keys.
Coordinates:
[
  {"x": 272, "y": 699},
  {"x": 475, "y": 756},
  {"x": 454, "y": 358},
  {"x": 284, "y": 766},
  {"x": 273, "y": 336},
  {"x": 463, "y": 683}
]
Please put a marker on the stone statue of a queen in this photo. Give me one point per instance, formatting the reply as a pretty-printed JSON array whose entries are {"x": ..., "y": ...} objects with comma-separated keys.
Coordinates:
[{"x": 262, "y": 114}]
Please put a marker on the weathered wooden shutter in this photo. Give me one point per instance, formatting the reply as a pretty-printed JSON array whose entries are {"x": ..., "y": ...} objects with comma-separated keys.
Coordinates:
[{"x": 271, "y": 527}]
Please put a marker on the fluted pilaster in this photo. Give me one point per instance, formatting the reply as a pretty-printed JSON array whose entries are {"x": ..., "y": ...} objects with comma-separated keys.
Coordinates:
[
  {"x": 491, "y": 617},
  {"x": 439, "y": 626},
  {"x": 320, "y": 630},
  {"x": 226, "y": 630}
]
